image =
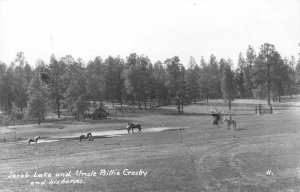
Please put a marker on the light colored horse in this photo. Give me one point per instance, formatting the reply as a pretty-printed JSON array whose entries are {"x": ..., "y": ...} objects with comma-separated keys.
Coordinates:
[
  {"x": 230, "y": 122},
  {"x": 35, "y": 139}
]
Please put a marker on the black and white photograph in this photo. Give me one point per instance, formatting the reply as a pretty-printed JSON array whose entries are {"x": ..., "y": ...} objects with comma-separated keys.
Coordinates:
[{"x": 150, "y": 95}]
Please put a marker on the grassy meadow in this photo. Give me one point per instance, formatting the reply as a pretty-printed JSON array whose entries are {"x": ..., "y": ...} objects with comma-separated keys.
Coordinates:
[{"x": 195, "y": 157}]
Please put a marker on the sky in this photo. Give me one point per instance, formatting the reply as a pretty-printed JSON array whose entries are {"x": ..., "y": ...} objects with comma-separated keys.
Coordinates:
[{"x": 159, "y": 29}]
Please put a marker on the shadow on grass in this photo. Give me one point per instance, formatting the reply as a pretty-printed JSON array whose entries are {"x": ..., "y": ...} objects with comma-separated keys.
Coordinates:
[
  {"x": 241, "y": 129},
  {"x": 205, "y": 114},
  {"x": 86, "y": 121},
  {"x": 51, "y": 126},
  {"x": 108, "y": 120}
]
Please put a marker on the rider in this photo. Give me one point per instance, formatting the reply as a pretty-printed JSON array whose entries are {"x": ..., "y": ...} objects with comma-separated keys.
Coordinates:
[{"x": 216, "y": 114}]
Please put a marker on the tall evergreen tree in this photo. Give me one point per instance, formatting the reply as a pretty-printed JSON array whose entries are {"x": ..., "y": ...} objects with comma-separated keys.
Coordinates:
[
  {"x": 279, "y": 75},
  {"x": 297, "y": 77},
  {"x": 53, "y": 77},
  {"x": 228, "y": 85},
  {"x": 291, "y": 84},
  {"x": 159, "y": 75},
  {"x": 240, "y": 76},
  {"x": 6, "y": 88},
  {"x": 76, "y": 93},
  {"x": 262, "y": 69},
  {"x": 214, "y": 79},
  {"x": 37, "y": 104},
  {"x": 175, "y": 82},
  {"x": 21, "y": 81},
  {"x": 192, "y": 79},
  {"x": 131, "y": 76},
  {"x": 248, "y": 72},
  {"x": 95, "y": 76},
  {"x": 204, "y": 82},
  {"x": 114, "y": 79},
  {"x": 137, "y": 78}
]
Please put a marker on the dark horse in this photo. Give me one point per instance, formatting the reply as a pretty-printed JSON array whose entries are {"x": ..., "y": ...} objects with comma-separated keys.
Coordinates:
[
  {"x": 132, "y": 126},
  {"x": 87, "y": 137},
  {"x": 81, "y": 138}
]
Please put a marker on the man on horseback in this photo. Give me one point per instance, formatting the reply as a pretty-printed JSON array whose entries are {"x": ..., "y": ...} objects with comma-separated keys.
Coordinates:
[{"x": 216, "y": 114}]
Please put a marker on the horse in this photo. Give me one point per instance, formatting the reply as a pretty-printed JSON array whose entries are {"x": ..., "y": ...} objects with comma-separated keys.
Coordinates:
[
  {"x": 230, "y": 122},
  {"x": 35, "y": 139},
  {"x": 81, "y": 138},
  {"x": 132, "y": 126},
  {"x": 87, "y": 137}
]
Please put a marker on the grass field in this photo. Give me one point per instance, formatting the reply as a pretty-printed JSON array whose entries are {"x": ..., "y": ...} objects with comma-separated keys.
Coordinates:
[{"x": 199, "y": 157}]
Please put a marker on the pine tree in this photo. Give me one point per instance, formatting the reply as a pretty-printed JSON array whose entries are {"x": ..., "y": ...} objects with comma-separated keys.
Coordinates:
[
  {"x": 228, "y": 85},
  {"x": 95, "y": 76},
  {"x": 192, "y": 78},
  {"x": 159, "y": 76},
  {"x": 53, "y": 77},
  {"x": 248, "y": 72},
  {"x": 75, "y": 94},
  {"x": 37, "y": 104},
  {"x": 175, "y": 82}
]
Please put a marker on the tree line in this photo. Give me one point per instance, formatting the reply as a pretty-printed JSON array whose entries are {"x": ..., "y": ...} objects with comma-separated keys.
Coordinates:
[{"x": 73, "y": 84}]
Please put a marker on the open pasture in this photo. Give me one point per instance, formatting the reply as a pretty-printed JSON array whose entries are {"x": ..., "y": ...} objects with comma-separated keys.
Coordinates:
[{"x": 199, "y": 157}]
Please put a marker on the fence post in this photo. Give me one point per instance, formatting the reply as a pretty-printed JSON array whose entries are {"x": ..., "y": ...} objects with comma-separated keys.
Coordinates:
[
  {"x": 255, "y": 109},
  {"x": 259, "y": 108}
]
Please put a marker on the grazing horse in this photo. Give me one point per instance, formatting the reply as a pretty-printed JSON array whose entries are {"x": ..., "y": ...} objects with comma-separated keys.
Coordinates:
[
  {"x": 35, "y": 139},
  {"x": 87, "y": 137},
  {"x": 132, "y": 126},
  {"x": 81, "y": 138}
]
